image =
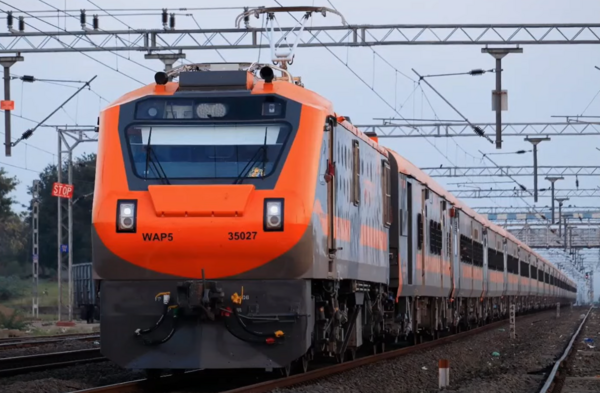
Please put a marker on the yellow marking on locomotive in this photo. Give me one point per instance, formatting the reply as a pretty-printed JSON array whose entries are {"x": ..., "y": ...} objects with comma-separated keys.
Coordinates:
[
  {"x": 237, "y": 299},
  {"x": 161, "y": 294}
]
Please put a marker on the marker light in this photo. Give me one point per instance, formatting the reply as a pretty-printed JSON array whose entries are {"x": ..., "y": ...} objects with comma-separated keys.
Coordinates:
[
  {"x": 273, "y": 217},
  {"x": 271, "y": 109},
  {"x": 126, "y": 216}
]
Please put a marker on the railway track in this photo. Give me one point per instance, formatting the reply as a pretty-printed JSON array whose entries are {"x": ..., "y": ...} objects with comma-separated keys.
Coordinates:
[
  {"x": 169, "y": 383},
  {"x": 24, "y": 342},
  {"x": 55, "y": 336},
  {"x": 26, "y": 364},
  {"x": 557, "y": 378}
]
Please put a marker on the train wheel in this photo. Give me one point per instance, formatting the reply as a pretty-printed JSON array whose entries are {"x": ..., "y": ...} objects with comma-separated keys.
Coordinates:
[
  {"x": 286, "y": 371},
  {"x": 352, "y": 353},
  {"x": 304, "y": 363}
]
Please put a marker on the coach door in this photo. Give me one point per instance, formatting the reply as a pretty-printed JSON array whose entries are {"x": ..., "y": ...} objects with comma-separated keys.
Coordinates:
[
  {"x": 505, "y": 285},
  {"x": 329, "y": 128},
  {"x": 485, "y": 282},
  {"x": 410, "y": 232}
]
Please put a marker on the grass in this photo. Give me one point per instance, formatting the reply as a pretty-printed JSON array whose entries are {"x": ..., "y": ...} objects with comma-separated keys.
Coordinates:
[
  {"x": 48, "y": 298},
  {"x": 47, "y": 294}
]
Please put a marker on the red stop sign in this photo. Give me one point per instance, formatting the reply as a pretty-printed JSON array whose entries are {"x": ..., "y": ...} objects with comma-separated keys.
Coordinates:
[{"x": 62, "y": 190}]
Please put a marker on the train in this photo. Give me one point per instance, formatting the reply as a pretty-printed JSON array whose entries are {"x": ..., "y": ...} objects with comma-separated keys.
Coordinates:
[
  {"x": 240, "y": 222},
  {"x": 84, "y": 292}
]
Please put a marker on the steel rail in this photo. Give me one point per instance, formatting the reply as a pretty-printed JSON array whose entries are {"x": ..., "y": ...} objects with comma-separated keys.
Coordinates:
[
  {"x": 24, "y": 364},
  {"x": 29, "y": 342},
  {"x": 311, "y": 376},
  {"x": 264, "y": 387},
  {"x": 54, "y": 336},
  {"x": 138, "y": 385},
  {"x": 552, "y": 375},
  {"x": 165, "y": 382}
]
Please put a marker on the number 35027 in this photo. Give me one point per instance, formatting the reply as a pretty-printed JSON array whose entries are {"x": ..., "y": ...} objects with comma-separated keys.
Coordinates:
[{"x": 242, "y": 235}]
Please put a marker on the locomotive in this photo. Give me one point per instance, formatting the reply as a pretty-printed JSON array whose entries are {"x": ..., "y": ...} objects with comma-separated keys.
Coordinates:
[{"x": 240, "y": 222}]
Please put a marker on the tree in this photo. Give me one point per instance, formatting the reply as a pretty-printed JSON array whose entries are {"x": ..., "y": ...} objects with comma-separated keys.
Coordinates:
[
  {"x": 13, "y": 231},
  {"x": 84, "y": 170},
  {"x": 7, "y": 186}
]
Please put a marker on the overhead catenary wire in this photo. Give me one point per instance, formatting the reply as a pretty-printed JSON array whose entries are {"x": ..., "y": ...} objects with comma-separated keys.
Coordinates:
[
  {"x": 372, "y": 88},
  {"x": 125, "y": 24},
  {"x": 519, "y": 184},
  {"x": 475, "y": 128},
  {"x": 375, "y": 51},
  {"x": 90, "y": 41},
  {"x": 19, "y": 167},
  {"x": 376, "y": 93},
  {"x": 56, "y": 82},
  {"x": 35, "y": 147},
  {"x": 383, "y": 99},
  {"x": 205, "y": 36},
  {"x": 391, "y": 106},
  {"x": 114, "y": 10},
  {"x": 69, "y": 46},
  {"x": 30, "y": 132}
]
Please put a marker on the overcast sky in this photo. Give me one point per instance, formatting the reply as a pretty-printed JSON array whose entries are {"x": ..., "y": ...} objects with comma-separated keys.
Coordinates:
[{"x": 545, "y": 80}]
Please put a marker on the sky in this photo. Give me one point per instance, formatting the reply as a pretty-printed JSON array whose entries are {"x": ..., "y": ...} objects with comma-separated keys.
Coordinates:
[{"x": 543, "y": 81}]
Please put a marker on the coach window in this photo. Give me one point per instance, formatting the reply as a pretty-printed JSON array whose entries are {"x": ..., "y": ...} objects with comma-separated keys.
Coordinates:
[
  {"x": 387, "y": 197},
  {"x": 355, "y": 173}
]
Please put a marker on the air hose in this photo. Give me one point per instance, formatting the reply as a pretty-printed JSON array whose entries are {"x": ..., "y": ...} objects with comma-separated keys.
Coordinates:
[
  {"x": 269, "y": 338},
  {"x": 166, "y": 308}
]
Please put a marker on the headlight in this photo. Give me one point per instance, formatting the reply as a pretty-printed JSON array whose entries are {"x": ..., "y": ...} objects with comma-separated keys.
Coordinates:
[
  {"x": 273, "y": 215},
  {"x": 126, "y": 216}
]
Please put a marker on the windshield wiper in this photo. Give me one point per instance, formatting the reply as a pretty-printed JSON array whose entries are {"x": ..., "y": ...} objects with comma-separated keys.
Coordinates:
[
  {"x": 156, "y": 167},
  {"x": 254, "y": 160}
]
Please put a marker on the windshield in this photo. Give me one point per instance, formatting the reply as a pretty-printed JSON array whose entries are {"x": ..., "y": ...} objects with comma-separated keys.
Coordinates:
[{"x": 207, "y": 151}]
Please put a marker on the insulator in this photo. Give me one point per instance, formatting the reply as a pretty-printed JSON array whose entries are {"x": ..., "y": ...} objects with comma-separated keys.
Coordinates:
[
  {"x": 246, "y": 18},
  {"x": 164, "y": 17},
  {"x": 9, "y": 20},
  {"x": 28, "y": 78},
  {"x": 82, "y": 18},
  {"x": 96, "y": 22},
  {"x": 172, "y": 22},
  {"x": 21, "y": 23}
]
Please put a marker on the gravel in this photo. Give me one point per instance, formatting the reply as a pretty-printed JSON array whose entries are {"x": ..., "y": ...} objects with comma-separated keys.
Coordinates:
[
  {"x": 541, "y": 339},
  {"x": 68, "y": 379},
  {"x": 68, "y": 345},
  {"x": 584, "y": 361},
  {"x": 519, "y": 368}
]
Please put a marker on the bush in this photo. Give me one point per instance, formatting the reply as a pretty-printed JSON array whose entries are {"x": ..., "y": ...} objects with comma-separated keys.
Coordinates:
[
  {"x": 14, "y": 320},
  {"x": 11, "y": 288},
  {"x": 13, "y": 268}
]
